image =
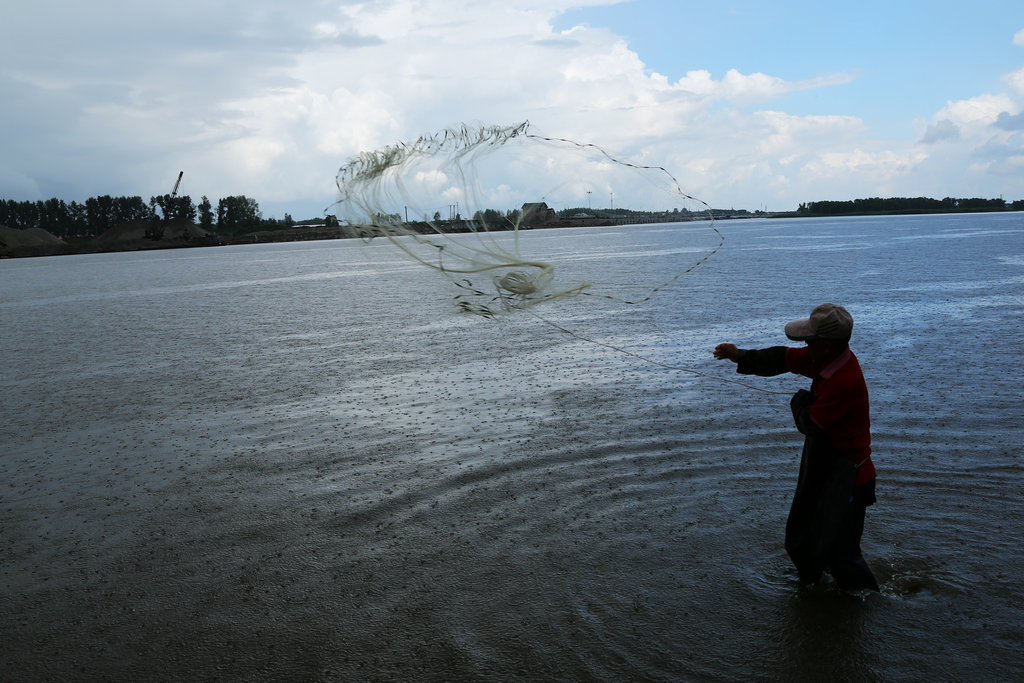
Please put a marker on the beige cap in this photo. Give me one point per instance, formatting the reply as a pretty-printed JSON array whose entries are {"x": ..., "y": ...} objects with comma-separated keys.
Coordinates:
[{"x": 827, "y": 321}]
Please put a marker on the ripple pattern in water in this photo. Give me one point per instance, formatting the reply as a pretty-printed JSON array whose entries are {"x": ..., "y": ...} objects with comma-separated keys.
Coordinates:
[{"x": 297, "y": 462}]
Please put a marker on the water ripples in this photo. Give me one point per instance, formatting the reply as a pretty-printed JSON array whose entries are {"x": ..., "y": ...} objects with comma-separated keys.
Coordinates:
[{"x": 337, "y": 478}]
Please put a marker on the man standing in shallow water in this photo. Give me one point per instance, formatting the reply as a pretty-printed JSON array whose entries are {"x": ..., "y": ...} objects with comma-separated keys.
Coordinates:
[{"x": 837, "y": 476}]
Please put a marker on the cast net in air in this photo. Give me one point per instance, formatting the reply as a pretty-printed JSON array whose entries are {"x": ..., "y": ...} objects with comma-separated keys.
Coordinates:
[{"x": 460, "y": 200}]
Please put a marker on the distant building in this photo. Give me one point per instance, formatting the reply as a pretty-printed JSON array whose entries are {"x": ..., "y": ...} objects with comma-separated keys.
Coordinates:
[{"x": 535, "y": 213}]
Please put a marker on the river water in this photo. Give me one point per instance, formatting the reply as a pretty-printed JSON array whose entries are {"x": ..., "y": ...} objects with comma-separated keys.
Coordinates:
[{"x": 299, "y": 462}]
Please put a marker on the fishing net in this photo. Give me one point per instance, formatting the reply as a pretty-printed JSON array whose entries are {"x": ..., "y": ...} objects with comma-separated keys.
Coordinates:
[{"x": 458, "y": 201}]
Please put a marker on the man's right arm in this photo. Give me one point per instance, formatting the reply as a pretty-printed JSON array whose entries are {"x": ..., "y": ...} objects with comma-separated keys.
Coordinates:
[{"x": 764, "y": 362}]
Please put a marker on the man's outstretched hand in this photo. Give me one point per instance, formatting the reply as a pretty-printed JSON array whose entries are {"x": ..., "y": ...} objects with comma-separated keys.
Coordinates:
[{"x": 727, "y": 352}]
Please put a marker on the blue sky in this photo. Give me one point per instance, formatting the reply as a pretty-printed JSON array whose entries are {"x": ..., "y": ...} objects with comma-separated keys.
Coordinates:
[
  {"x": 748, "y": 104},
  {"x": 908, "y": 57}
]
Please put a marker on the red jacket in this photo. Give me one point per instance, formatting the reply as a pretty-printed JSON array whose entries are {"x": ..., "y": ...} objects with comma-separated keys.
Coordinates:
[{"x": 841, "y": 407}]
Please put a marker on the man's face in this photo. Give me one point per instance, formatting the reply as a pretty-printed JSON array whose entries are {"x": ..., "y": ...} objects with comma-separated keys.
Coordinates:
[{"x": 824, "y": 351}]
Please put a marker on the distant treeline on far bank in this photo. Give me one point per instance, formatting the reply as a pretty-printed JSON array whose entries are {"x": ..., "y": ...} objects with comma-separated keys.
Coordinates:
[
  {"x": 233, "y": 217},
  {"x": 892, "y": 205}
]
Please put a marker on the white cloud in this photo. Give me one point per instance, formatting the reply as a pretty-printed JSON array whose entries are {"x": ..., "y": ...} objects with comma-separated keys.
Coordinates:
[
  {"x": 989, "y": 125},
  {"x": 434, "y": 179},
  {"x": 885, "y": 164},
  {"x": 1015, "y": 80},
  {"x": 785, "y": 134},
  {"x": 977, "y": 112},
  {"x": 1018, "y": 38},
  {"x": 943, "y": 129},
  {"x": 983, "y": 136},
  {"x": 745, "y": 88}
]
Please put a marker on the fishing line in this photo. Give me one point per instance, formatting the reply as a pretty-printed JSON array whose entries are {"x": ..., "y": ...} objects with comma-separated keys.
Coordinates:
[{"x": 645, "y": 359}]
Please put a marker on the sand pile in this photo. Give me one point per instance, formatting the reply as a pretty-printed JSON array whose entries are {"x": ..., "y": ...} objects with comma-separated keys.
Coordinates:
[
  {"x": 134, "y": 235},
  {"x": 30, "y": 242},
  {"x": 124, "y": 237}
]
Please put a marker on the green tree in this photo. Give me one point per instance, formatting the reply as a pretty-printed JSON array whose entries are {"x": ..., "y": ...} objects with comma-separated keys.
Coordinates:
[
  {"x": 238, "y": 214},
  {"x": 19, "y": 213},
  {"x": 205, "y": 214},
  {"x": 79, "y": 223},
  {"x": 53, "y": 216},
  {"x": 99, "y": 214},
  {"x": 131, "y": 210},
  {"x": 492, "y": 219},
  {"x": 173, "y": 208},
  {"x": 382, "y": 218}
]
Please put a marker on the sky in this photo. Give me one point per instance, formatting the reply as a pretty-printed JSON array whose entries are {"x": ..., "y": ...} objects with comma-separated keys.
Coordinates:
[{"x": 748, "y": 104}]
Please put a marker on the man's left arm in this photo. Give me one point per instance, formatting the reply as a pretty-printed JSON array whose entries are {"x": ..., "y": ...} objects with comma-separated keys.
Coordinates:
[{"x": 801, "y": 404}]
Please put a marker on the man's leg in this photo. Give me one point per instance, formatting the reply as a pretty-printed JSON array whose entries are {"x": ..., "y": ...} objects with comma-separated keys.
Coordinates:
[{"x": 845, "y": 563}]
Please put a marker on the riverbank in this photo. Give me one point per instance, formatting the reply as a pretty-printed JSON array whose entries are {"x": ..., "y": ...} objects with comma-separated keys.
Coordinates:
[
  {"x": 143, "y": 236},
  {"x": 127, "y": 237}
]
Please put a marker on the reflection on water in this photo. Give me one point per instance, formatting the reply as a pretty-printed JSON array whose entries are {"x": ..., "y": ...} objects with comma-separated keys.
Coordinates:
[{"x": 296, "y": 461}]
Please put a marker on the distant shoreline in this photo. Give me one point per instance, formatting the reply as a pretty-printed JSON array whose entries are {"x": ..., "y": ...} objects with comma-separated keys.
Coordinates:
[
  {"x": 906, "y": 212},
  {"x": 35, "y": 242}
]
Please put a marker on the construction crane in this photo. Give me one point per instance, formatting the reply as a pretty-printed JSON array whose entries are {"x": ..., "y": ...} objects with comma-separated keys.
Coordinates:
[
  {"x": 177, "y": 184},
  {"x": 156, "y": 232}
]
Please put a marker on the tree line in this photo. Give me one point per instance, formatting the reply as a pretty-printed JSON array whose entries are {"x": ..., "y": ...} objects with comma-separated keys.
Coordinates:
[
  {"x": 675, "y": 214},
  {"x": 232, "y": 215},
  {"x": 240, "y": 214},
  {"x": 907, "y": 205}
]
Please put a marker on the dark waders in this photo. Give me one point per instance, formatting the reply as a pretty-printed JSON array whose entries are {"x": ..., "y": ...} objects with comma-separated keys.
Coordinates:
[{"x": 826, "y": 519}]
